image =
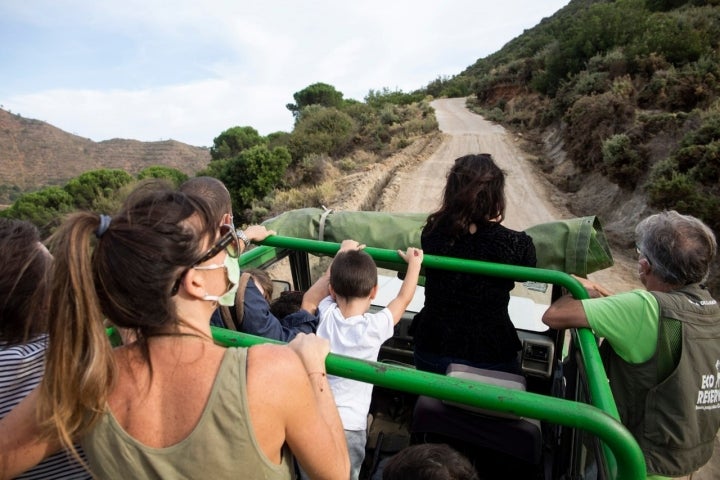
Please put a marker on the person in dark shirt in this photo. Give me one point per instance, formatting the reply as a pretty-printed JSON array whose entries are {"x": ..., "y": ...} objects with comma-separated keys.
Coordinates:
[{"x": 465, "y": 317}]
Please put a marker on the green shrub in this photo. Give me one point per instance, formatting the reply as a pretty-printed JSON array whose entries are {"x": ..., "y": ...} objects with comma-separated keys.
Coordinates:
[
  {"x": 44, "y": 208},
  {"x": 323, "y": 131},
  {"x": 622, "y": 162},
  {"x": 673, "y": 36},
  {"x": 589, "y": 122},
  {"x": 314, "y": 196},
  {"x": 495, "y": 115},
  {"x": 379, "y": 98},
  {"x": 689, "y": 180},
  {"x": 654, "y": 123},
  {"x": 173, "y": 175},
  {"x": 90, "y": 186},
  {"x": 310, "y": 170}
]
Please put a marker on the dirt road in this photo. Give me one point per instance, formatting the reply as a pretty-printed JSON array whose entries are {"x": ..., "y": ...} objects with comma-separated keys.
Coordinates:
[{"x": 530, "y": 198}]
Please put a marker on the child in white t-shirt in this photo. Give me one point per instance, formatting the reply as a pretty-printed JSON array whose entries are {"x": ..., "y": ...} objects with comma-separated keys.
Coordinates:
[{"x": 352, "y": 331}]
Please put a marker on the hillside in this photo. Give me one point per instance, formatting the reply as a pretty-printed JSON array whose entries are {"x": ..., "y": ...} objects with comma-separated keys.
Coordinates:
[
  {"x": 34, "y": 154},
  {"x": 619, "y": 103}
]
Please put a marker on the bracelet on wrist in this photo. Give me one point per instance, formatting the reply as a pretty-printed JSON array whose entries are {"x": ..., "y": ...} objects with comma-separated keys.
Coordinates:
[{"x": 242, "y": 236}]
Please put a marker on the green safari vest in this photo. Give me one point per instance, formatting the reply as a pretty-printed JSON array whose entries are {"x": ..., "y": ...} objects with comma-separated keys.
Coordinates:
[{"x": 671, "y": 403}]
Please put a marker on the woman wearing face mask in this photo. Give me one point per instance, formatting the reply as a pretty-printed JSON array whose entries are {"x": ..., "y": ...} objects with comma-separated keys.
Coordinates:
[{"x": 172, "y": 404}]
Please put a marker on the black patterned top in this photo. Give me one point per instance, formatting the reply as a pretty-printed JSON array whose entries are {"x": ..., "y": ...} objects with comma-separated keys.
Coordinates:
[{"x": 466, "y": 315}]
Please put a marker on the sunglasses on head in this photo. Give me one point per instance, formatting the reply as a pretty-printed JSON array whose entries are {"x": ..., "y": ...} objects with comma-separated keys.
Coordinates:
[{"x": 228, "y": 241}]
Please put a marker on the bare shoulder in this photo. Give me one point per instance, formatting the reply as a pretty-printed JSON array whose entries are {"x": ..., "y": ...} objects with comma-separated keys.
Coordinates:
[{"x": 273, "y": 362}]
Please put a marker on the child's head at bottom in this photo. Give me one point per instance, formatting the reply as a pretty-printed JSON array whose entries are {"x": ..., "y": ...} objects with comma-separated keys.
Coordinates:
[{"x": 429, "y": 461}]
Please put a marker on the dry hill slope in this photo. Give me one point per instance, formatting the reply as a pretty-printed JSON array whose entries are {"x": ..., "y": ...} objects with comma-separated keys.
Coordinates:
[{"x": 34, "y": 154}]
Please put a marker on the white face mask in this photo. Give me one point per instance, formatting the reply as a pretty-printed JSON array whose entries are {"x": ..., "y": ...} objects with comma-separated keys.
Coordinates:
[{"x": 232, "y": 268}]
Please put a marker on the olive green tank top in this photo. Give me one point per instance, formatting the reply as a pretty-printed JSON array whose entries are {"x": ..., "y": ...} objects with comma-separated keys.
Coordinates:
[{"x": 222, "y": 444}]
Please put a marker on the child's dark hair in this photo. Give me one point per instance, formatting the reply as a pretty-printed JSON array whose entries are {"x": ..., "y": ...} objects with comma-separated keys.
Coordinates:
[
  {"x": 474, "y": 193},
  {"x": 287, "y": 303},
  {"x": 429, "y": 461},
  {"x": 353, "y": 274}
]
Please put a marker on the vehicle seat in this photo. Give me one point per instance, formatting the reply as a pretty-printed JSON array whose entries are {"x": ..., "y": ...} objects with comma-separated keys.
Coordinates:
[{"x": 512, "y": 436}]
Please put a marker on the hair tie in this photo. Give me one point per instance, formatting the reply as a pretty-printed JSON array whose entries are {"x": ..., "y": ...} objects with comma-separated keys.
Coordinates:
[{"x": 104, "y": 225}]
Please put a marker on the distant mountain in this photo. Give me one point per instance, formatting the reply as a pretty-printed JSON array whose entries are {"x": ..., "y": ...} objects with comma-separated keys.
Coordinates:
[{"x": 34, "y": 154}]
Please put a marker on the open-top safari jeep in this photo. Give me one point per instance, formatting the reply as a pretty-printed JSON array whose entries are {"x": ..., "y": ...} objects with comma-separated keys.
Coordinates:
[{"x": 556, "y": 421}]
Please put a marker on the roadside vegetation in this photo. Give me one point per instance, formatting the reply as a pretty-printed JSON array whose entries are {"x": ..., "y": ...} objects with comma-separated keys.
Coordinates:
[
  {"x": 632, "y": 87},
  {"x": 266, "y": 175}
]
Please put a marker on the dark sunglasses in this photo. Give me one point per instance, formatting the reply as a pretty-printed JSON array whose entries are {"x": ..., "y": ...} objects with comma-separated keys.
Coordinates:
[{"x": 228, "y": 241}]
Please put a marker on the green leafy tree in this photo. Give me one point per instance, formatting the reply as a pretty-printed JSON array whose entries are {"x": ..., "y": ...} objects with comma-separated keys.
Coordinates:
[
  {"x": 90, "y": 186},
  {"x": 233, "y": 141},
  {"x": 321, "y": 131},
  {"x": 253, "y": 174},
  {"x": 216, "y": 169},
  {"x": 315, "y": 94},
  {"x": 175, "y": 176},
  {"x": 43, "y": 208}
]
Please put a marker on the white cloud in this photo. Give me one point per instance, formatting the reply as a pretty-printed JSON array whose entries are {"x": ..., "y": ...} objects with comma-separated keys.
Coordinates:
[{"x": 188, "y": 70}]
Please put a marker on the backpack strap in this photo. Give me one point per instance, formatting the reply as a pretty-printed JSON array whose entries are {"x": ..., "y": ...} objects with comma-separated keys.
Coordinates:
[{"x": 233, "y": 322}]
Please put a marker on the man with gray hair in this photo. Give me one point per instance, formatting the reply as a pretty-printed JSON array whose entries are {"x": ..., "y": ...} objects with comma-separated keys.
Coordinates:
[{"x": 661, "y": 345}]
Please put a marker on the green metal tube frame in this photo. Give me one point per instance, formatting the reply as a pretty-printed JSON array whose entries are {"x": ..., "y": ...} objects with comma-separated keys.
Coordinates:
[{"x": 601, "y": 418}]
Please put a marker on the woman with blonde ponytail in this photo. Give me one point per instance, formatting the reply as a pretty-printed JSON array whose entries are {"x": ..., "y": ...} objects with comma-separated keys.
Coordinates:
[{"x": 171, "y": 404}]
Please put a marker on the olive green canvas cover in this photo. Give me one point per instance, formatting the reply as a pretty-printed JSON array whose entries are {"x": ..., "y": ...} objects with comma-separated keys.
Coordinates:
[{"x": 576, "y": 245}]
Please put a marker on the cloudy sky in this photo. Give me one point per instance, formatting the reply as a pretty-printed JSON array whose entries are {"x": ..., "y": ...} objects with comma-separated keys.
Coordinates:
[{"x": 185, "y": 69}]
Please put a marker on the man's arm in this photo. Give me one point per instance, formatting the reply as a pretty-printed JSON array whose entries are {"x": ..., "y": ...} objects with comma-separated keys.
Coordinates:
[
  {"x": 257, "y": 319},
  {"x": 565, "y": 312}
]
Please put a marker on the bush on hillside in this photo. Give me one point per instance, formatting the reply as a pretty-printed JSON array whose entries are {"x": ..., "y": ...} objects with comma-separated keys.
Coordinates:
[
  {"x": 689, "y": 180},
  {"x": 378, "y": 98},
  {"x": 654, "y": 123},
  {"x": 311, "y": 170},
  {"x": 452, "y": 87},
  {"x": 590, "y": 121},
  {"x": 321, "y": 130},
  {"x": 692, "y": 86},
  {"x": 623, "y": 161},
  {"x": 672, "y": 35}
]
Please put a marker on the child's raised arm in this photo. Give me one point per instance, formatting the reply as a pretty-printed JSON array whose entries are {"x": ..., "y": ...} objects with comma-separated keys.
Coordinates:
[{"x": 414, "y": 258}]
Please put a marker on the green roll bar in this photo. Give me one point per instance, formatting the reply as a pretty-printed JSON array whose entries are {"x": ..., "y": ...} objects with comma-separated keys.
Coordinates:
[{"x": 601, "y": 418}]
